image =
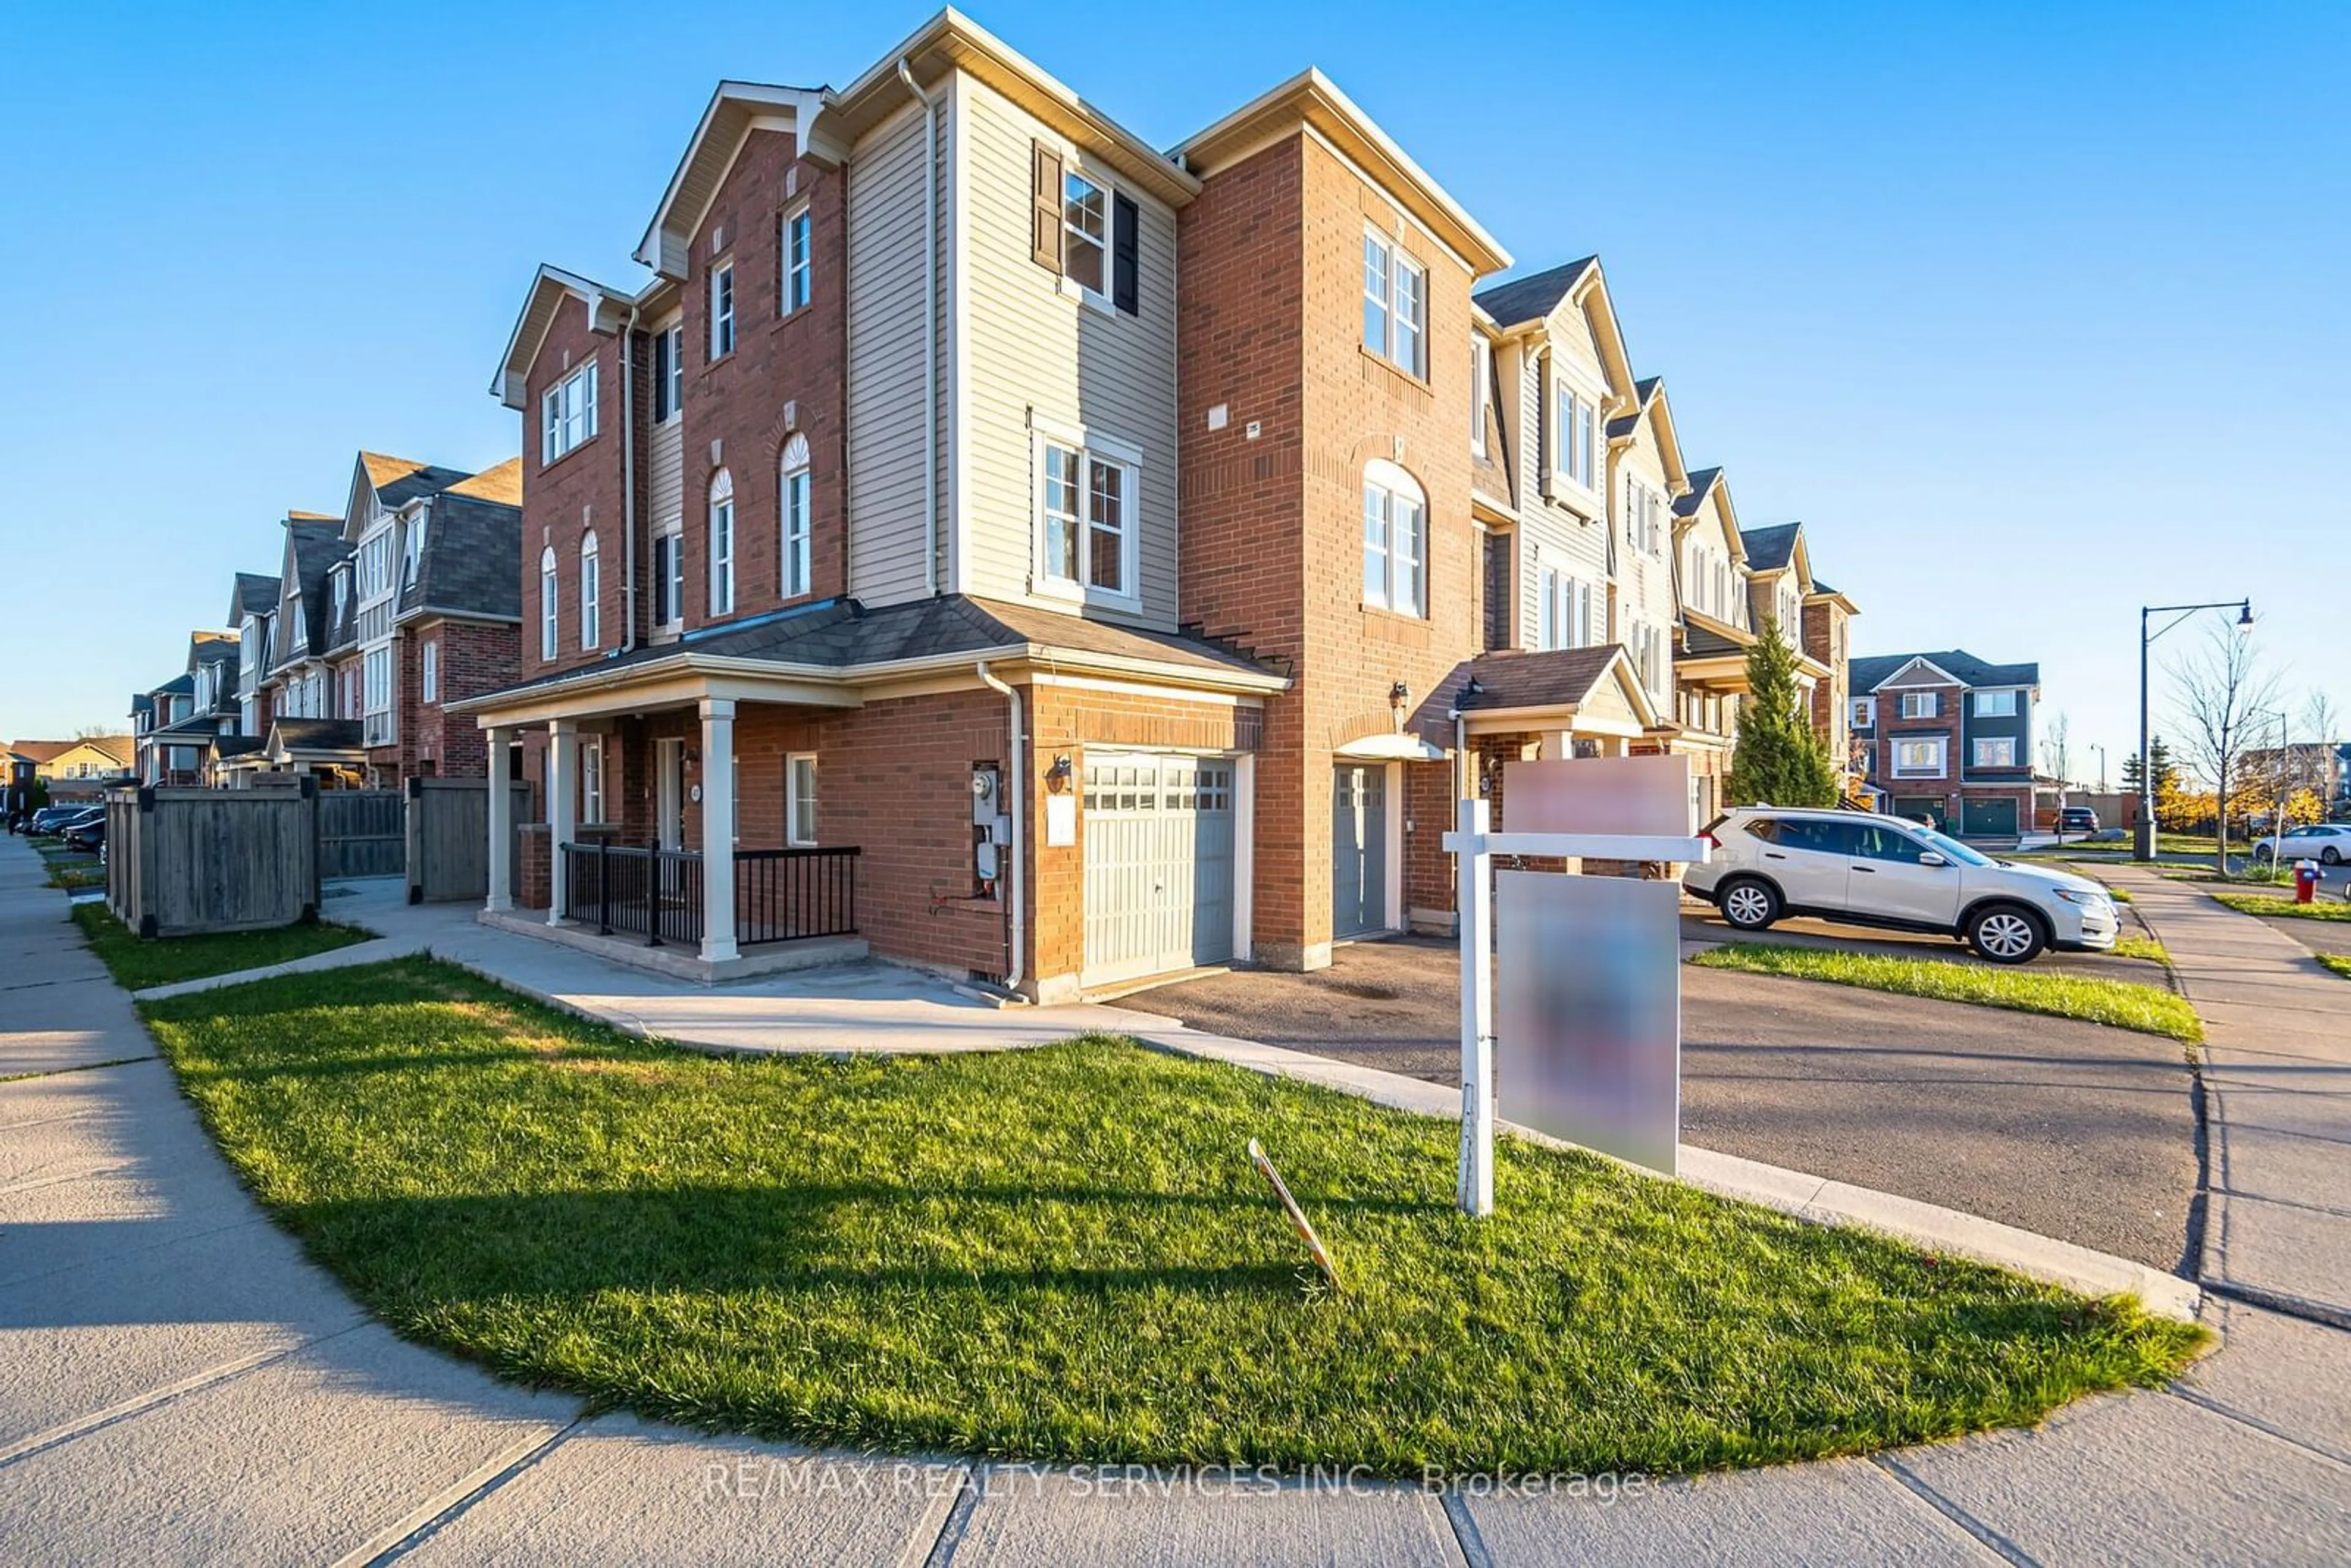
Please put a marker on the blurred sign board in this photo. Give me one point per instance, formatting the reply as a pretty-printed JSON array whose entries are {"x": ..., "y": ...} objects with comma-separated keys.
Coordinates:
[
  {"x": 1645, "y": 796},
  {"x": 1588, "y": 1016}
]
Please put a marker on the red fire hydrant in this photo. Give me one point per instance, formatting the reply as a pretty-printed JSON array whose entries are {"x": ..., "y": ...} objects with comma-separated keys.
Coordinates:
[{"x": 2305, "y": 880}]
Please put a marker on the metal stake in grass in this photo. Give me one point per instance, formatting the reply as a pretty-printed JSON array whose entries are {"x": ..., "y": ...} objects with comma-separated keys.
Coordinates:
[{"x": 1297, "y": 1220}]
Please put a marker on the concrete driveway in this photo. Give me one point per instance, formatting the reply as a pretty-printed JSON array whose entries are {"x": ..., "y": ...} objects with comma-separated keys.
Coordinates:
[{"x": 2072, "y": 1130}]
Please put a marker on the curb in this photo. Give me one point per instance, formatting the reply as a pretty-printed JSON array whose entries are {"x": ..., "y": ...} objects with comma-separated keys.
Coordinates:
[{"x": 1813, "y": 1198}]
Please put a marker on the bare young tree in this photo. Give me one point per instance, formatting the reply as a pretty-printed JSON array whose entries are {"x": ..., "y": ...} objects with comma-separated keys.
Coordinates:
[
  {"x": 2056, "y": 756},
  {"x": 2320, "y": 726},
  {"x": 2222, "y": 688}
]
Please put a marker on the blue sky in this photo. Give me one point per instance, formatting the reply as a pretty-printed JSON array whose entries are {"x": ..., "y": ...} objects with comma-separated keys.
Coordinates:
[{"x": 2032, "y": 314}]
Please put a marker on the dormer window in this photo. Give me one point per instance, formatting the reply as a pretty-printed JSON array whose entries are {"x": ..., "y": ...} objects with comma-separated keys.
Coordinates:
[{"x": 413, "y": 559}]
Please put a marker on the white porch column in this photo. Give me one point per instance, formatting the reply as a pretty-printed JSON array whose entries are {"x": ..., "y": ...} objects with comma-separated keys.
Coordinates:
[
  {"x": 501, "y": 749},
  {"x": 717, "y": 829},
  {"x": 562, "y": 827}
]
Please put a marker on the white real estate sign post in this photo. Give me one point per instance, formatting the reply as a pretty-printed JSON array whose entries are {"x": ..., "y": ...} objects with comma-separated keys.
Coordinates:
[{"x": 1610, "y": 802}]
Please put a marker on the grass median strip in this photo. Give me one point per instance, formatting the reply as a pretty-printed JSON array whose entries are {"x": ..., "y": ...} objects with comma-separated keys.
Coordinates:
[
  {"x": 1063, "y": 1253},
  {"x": 2338, "y": 962},
  {"x": 2278, "y": 904},
  {"x": 2121, "y": 1003},
  {"x": 138, "y": 963}
]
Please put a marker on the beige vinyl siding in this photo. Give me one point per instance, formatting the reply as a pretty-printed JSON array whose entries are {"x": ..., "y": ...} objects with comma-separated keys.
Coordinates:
[
  {"x": 1550, "y": 536},
  {"x": 667, "y": 476},
  {"x": 886, "y": 314},
  {"x": 1026, "y": 344}
]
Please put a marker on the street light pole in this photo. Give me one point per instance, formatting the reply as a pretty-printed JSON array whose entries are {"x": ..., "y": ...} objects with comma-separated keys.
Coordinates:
[{"x": 2142, "y": 840}]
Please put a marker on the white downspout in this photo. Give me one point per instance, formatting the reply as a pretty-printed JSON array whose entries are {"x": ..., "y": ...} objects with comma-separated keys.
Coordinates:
[
  {"x": 931, "y": 332},
  {"x": 1016, "y": 786},
  {"x": 629, "y": 481}
]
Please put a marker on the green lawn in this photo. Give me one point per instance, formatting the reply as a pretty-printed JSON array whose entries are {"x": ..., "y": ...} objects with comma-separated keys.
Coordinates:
[
  {"x": 137, "y": 964},
  {"x": 2265, "y": 904},
  {"x": 2150, "y": 1009},
  {"x": 2338, "y": 962},
  {"x": 1063, "y": 1254},
  {"x": 74, "y": 874},
  {"x": 2145, "y": 947}
]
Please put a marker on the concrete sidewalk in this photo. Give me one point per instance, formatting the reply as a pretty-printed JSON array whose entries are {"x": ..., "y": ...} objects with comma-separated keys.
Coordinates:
[
  {"x": 2277, "y": 1080},
  {"x": 178, "y": 1385}
]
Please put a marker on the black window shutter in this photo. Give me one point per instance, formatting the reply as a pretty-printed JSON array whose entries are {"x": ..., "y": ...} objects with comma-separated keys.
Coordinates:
[{"x": 1124, "y": 283}]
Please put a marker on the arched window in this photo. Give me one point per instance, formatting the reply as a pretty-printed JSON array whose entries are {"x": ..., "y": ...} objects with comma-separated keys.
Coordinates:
[
  {"x": 796, "y": 520},
  {"x": 722, "y": 543},
  {"x": 1395, "y": 539},
  {"x": 546, "y": 609},
  {"x": 590, "y": 585}
]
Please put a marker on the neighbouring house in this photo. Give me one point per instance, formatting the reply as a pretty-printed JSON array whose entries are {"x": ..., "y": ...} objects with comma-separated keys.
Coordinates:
[
  {"x": 182, "y": 728},
  {"x": 310, "y": 675},
  {"x": 1950, "y": 736},
  {"x": 77, "y": 770}
]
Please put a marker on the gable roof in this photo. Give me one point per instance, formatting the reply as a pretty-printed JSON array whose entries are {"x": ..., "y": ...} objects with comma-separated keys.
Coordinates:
[
  {"x": 255, "y": 595},
  {"x": 399, "y": 480},
  {"x": 1313, "y": 100},
  {"x": 501, "y": 483},
  {"x": 314, "y": 547},
  {"x": 1771, "y": 548},
  {"x": 1870, "y": 673},
  {"x": 468, "y": 564},
  {"x": 1533, "y": 297},
  {"x": 607, "y": 311}
]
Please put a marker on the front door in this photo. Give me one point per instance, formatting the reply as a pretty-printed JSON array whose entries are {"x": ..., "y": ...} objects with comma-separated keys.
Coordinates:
[
  {"x": 668, "y": 805},
  {"x": 1359, "y": 849}
]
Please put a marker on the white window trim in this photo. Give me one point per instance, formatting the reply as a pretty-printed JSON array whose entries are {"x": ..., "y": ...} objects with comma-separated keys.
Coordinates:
[
  {"x": 725, "y": 269},
  {"x": 793, "y": 799},
  {"x": 1977, "y": 699},
  {"x": 673, "y": 335},
  {"x": 1397, "y": 483},
  {"x": 795, "y": 556},
  {"x": 592, "y": 587},
  {"x": 1481, "y": 376},
  {"x": 785, "y": 271},
  {"x": 1942, "y": 758},
  {"x": 592, "y": 781},
  {"x": 550, "y": 593},
  {"x": 1397, "y": 261},
  {"x": 1091, "y": 447},
  {"x": 1865, "y": 713},
  {"x": 1984, "y": 743},
  {"x": 1932, "y": 701},
  {"x": 1072, "y": 168},
  {"x": 670, "y": 592},
  {"x": 555, "y": 436},
  {"x": 428, "y": 677},
  {"x": 725, "y": 562},
  {"x": 1566, "y": 383}
]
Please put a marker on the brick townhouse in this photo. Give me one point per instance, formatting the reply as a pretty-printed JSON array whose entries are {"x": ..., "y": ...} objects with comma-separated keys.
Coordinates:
[
  {"x": 850, "y": 560},
  {"x": 1949, "y": 737},
  {"x": 381, "y": 617}
]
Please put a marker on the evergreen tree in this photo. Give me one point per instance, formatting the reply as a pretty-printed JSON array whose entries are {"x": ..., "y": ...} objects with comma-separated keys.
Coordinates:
[{"x": 1778, "y": 761}]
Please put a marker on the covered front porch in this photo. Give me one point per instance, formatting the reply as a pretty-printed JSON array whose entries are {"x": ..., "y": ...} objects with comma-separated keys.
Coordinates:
[{"x": 679, "y": 829}]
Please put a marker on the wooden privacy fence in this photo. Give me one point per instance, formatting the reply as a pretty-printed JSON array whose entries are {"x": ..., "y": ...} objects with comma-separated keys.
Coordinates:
[
  {"x": 185, "y": 860},
  {"x": 361, "y": 832},
  {"x": 448, "y": 829}
]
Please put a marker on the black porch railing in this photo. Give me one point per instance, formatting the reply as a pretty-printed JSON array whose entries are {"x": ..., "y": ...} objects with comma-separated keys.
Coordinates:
[{"x": 780, "y": 895}]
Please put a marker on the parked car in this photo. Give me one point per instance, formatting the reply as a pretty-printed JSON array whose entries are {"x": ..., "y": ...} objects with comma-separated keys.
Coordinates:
[
  {"x": 1772, "y": 861},
  {"x": 71, "y": 816},
  {"x": 2077, "y": 819},
  {"x": 50, "y": 819},
  {"x": 2328, "y": 844},
  {"x": 87, "y": 835}
]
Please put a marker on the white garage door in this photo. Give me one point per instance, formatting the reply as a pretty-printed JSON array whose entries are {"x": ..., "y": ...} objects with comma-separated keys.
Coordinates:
[{"x": 1159, "y": 864}]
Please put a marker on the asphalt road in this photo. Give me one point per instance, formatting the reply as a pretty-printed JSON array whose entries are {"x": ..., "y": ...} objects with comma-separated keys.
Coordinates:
[{"x": 2068, "y": 1129}]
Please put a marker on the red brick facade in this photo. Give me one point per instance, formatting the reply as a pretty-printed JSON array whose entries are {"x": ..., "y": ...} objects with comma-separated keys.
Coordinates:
[{"x": 1271, "y": 259}]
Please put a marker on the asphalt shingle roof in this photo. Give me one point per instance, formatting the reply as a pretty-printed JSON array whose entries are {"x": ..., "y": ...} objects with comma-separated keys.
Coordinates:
[
  {"x": 400, "y": 480},
  {"x": 1870, "y": 673},
  {"x": 255, "y": 594},
  {"x": 317, "y": 546},
  {"x": 317, "y": 734},
  {"x": 1701, "y": 480},
  {"x": 1517, "y": 679},
  {"x": 1769, "y": 549},
  {"x": 1531, "y": 297},
  {"x": 842, "y": 634},
  {"x": 472, "y": 546}
]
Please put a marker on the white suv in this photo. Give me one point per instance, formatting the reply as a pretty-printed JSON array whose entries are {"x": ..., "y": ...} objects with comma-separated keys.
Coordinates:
[{"x": 1772, "y": 860}]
